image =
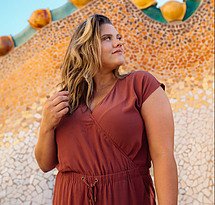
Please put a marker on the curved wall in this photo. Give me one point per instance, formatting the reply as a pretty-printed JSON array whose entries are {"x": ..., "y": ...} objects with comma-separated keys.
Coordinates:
[{"x": 180, "y": 55}]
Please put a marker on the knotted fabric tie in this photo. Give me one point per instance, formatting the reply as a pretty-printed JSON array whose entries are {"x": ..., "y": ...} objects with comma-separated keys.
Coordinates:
[{"x": 91, "y": 194}]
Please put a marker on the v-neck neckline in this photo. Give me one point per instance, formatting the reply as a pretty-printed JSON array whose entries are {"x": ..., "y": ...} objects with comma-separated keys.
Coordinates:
[{"x": 103, "y": 99}]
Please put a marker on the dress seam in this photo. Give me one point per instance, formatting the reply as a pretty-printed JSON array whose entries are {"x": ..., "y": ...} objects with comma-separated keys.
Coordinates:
[{"x": 108, "y": 137}]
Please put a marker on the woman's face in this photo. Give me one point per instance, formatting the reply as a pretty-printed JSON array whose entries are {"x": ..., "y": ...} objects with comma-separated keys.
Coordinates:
[{"x": 112, "y": 52}]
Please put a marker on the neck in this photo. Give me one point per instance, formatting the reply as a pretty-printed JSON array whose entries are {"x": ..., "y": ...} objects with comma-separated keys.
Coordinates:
[{"x": 104, "y": 80}]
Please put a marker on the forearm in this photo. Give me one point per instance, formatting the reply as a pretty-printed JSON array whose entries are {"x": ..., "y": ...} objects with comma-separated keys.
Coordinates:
[
  {"x": 46, "y": 149},
  {"x": 166, "y": 179}
]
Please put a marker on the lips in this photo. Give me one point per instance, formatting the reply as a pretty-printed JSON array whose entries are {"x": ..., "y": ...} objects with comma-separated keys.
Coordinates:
[{"x": 118, "y": 51}]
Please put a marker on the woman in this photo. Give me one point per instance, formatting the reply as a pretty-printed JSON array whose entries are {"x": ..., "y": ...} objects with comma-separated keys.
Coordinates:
[{"x": 102, "y": 131}]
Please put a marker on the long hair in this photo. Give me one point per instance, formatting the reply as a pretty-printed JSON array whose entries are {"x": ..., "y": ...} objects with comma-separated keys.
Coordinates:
[{"x": 82, "y": 61}]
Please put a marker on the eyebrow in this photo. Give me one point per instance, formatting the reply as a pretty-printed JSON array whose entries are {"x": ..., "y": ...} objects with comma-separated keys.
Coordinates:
[{"x": 111, "y": 35}]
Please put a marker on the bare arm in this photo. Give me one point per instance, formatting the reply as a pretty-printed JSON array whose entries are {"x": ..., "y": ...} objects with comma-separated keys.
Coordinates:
[
  {"x": 157, "y": 115},
  {"x": 53, "y": 111},
  {"x": 46, "y": 150}
]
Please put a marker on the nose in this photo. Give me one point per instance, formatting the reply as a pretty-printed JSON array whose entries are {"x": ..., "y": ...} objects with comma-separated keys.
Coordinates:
[{"x": 118, "y": 42}]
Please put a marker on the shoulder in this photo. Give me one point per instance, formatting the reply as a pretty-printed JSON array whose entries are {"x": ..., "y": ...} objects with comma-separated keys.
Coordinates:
[
  {"x": 139, "y": 77},
  {"x": 142, "y": 78},
  {"x": 139, "y": 74}
]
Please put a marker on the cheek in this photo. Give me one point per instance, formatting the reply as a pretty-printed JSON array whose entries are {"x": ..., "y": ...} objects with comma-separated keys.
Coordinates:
[
  {"x": 105, "y": 53},
  {"x": 106, "y": 48}
]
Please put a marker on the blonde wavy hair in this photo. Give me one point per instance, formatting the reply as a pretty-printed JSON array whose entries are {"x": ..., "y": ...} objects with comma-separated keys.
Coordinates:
[{"x": 82, "y": 61}]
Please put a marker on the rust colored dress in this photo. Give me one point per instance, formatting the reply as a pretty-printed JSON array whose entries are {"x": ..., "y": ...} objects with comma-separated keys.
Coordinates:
[{"x": 103, "y": 154}]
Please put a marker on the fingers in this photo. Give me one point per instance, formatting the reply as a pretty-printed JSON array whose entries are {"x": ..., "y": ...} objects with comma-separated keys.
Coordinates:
[
  {"x": 60, "y": 106},
  {"x": 63, "y": 112},
  {"x": 60, "y": 99},
  {"x": 55, "y": 108},
  {"x": 60, "y": 93},
  {"x": 56, "y": 103}
]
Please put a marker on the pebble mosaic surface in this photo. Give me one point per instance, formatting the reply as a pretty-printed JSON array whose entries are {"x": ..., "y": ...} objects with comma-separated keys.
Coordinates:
[{"x": 179, "y": 54}]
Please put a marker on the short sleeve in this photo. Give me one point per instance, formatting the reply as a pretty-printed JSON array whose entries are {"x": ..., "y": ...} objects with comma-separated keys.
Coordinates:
[{"x": 144, "y": 85}]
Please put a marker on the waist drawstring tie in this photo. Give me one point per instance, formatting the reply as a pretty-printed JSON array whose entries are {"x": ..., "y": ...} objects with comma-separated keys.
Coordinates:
[{"x": 91, "y": 190}]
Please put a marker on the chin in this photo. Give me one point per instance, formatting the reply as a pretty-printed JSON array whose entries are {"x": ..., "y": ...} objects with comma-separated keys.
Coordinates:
[
  {"x": 118, "y": 66},
  {"x": 121, "y": 63}
]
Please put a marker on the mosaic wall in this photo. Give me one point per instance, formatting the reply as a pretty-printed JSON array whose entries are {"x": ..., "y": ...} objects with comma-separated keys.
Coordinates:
[{"x": 178, "y": 54}]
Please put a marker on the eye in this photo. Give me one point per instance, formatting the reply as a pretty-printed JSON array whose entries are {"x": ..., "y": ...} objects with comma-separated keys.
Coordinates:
[
  {"x": 120, "y": 37},
  {"x": 107, "y": 38}
]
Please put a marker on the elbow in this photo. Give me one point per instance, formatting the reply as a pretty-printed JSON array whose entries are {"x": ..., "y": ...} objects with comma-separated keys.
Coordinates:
[
  {"x": 165, "y": 158},
  {"x": 46, "y": 167},
  {"x": 166, "y": 155},
  {"x": 43, "y": 164}
]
